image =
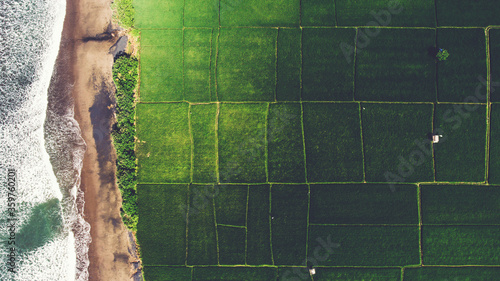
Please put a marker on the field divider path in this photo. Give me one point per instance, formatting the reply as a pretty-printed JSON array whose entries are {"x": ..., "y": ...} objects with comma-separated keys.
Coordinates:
[
  {"x": 210, "y": 65},
  {"x": 276, "y": 67},
  {"x": 419, "y": 204},
  {"x": 354, "y": 65},
  {"x": 308, "y": 212},
  {"x": 270, "y": 224},
  {"x": 246, "y": 225},
  {"x": 191, "y": 171},
  {"x": 216, "y": 131},
  {"x": 187, "y": 224},
  {"x": 362, "y": 142},
  {"x": 266, "y": 146},
  {"x": 432, "y": 144},
  {"x": 488, "y": 107},
  {"x": 216, "y": 74},
  {"x": 303, "y": 140},
  {"x": 183, "y": 62},
  {"x": 216, "y": 232}
]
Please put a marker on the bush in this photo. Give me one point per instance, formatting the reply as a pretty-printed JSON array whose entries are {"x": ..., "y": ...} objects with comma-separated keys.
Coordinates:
[
  {"x": 442, "y": 55},
  {"x": 125, "y": 78}
]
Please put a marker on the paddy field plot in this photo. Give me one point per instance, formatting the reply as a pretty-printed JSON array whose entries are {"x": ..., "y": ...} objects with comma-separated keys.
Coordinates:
[
  {"x": 479, "y": 13},
  {"x": 333, "y": 142},
  {"x": 494, "y": 168},
  {"x": 460, "y": 155},
  {"x": 395, "y": 142},
  {"x": 443, "y": 273},
  {"x": 345, "y": 274},
  {"x": 494, "y": 64},
  {"x": 395, "y": 55},
  {"x": 385, "y": 13}
]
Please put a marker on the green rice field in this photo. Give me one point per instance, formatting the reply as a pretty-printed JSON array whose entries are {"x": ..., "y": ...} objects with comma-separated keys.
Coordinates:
[{"x": 273, "y": 136}]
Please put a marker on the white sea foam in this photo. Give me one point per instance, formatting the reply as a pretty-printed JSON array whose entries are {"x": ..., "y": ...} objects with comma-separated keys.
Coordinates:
[{"x": 29, "y": 42}]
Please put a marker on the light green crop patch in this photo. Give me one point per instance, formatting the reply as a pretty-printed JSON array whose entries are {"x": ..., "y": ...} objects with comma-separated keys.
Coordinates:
[
  {"x": 159, "y": 13},
  {"x": 201, "y": 13},
  {"x": 246, "y": 65},
  {"x": 259, "y": 12},
  {"x": 318, "y": 13},
  {"x": 164, "y": 144},
  {"x": 161, "y": 66},
  {"x": 161, "y": 230},
  {"x": 242, "y": 130},
  {"x": 197, "y": 52}
]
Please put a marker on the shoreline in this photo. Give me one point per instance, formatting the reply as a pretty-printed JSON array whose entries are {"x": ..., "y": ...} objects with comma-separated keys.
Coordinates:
[{"x": 83, "y": 80}]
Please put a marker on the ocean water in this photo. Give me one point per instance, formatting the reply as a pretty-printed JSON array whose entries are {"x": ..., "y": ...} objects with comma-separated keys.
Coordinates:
[{"x": 42, "y": 233}]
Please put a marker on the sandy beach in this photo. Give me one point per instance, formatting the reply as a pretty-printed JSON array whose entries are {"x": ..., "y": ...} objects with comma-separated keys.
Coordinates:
[{"x": 84, "y": 62}]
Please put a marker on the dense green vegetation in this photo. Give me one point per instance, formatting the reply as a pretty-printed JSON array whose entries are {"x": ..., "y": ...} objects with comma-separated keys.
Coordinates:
[
  {"x": 125, "y": 72},
  {"x": 124, "y": 12}
]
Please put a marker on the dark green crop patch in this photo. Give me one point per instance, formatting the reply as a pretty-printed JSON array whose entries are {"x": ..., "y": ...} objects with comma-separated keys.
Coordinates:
[
  {"x": 458, "y": 75},
  {"x": 347, "y": 274},
  {"x": 234, "y": 273},
  {"x": 231, "y": 245},
  {"x": 318, "y": 13},
  {"x": 289, "y": 223},
  {"x": 460, "y": 204},
  {"x": 230, "y": 204},
  {"x": 460, "y": 154},
  {"x": 451, "y": 273},
  {"x": 284, "y": 143},
  {"x": 386, "y": 13},
  {"x": 162, "y": 243},
  {"x": 460, "y": 245},
  {"x": 480, "y": 13},
  {"x": 333, "y": 142},
  {"x": 258, "y": 226},
  {"x": 363, "y": 204},
  {"x": 396, "y": 145},
  {"x": 327, "y": 69},
  {"x": 364, "y": 245},
  {"x": 395, "y": 65},
  {"x": 494, "y": 164}
]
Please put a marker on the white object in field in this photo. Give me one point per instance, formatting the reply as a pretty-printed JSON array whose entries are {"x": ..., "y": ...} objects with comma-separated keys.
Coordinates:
[
  {"x": 435, "y": 138},
  {"x": 312, "y": 271}
]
